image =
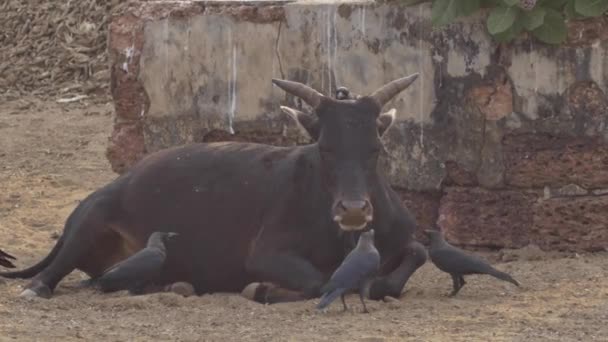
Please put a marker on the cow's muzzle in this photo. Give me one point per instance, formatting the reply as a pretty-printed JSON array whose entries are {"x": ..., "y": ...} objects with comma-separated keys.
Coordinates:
[{"x": 353, "y": 214}]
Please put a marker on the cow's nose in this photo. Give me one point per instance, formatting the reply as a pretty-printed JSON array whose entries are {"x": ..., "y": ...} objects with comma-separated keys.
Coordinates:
[
  {"x": 354, "y": 206},
  {"x": 353, "y": 214}
]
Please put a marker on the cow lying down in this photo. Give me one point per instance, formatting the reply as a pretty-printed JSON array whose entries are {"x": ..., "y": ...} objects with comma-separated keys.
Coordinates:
[{"x": 273, "y": 218}]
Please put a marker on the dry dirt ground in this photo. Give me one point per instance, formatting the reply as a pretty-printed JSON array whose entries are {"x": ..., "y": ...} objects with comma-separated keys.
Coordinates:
[{"x": 51, "y": 156}]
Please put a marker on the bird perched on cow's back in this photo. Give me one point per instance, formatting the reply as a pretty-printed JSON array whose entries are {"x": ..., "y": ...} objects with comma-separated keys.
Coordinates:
[
  {"x": 5, "y": 259},
  {"x": 458, "y": 263},
  {"x": 139, "y": 270},
  {"x": 343, "y": 93},
  {"x": 355, "y": 272}
]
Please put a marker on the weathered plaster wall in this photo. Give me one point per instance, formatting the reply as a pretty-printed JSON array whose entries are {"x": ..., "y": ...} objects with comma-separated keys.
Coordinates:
[{"x": 499, "y": 145}]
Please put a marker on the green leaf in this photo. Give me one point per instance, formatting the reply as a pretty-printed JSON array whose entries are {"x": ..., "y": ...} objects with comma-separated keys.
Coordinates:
[
  {"x": 491, "y": 3},
  {"x": 510, "y": 2},
  {"x": 511, "y": 33},
  {"x": 591, "y": 8},
  {"x": 501, "y": 18},
  {"x": 553, "y": 30},
  {"x": 554, "y": 4},
  {"x": 571, "y": 12},
  {"x": 533, "y": 18},
  {"x": 444, "y": 12},
  {"x": 468, "y": 7}
]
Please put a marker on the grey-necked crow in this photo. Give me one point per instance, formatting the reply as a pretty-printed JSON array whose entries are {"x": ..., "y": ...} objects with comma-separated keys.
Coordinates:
[
  {"x": 140, "y": 269},
  {"x": 458, "y": 263},
  {"x": 357, "y": 269}
]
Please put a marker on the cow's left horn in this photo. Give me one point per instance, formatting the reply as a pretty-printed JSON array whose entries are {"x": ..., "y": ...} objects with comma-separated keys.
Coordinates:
[
  {"x": 306, "y": 93},
  {"x": 389, "y": 90}
]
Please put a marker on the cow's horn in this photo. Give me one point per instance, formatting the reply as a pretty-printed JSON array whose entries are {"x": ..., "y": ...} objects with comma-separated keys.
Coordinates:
[
  {"x": 389, "y": 90},
  {"x": 306, "y": 93}
]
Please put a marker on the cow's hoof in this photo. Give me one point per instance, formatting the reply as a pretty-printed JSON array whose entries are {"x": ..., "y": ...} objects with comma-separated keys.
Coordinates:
[
  {"x": 39, "y": 291},
  {"x": 257, "y": 292},
  {"x": 182, "y": 288},
  {"x": 379, "y": 289},
  {"x": 250, "y": 290}
]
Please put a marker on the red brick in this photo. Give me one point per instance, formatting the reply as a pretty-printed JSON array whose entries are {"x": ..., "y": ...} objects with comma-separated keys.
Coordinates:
[
  {"x": 538, "y": 160},
  {"x": 571, "y": 223},
  {"x": 126, "y": 146},
  {"x": 478, "y": 217},
  {"x": 457, "y": 175},
  {"x": 425, "y": 208}
]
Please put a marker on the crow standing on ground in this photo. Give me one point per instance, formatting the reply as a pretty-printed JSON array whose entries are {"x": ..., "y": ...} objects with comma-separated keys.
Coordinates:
[
  {"x": 458, "y": 264},
  {"x": 5, "y": 259},
  {"x": 140, "y": 269},
  {"x": 357, "y": 269}
]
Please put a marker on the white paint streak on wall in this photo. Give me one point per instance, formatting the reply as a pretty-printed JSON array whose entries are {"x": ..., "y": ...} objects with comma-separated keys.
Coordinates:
[{"x": 129, "y": 52}]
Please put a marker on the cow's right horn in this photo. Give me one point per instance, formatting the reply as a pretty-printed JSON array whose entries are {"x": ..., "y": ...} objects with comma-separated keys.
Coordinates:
[
  {"x": 389, "y": 90},
  {"x": 306, "y": 93}
]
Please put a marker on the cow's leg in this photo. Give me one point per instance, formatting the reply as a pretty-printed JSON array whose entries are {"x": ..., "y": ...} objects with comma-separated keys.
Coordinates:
[
  {"x": 87, "y": 283},
  {"x": 297, "y": 278},
  {"x": 414, "y": 257},
  {"x": 90, "y": 245},
  {"x": 145, "y": 288},
  {"x": 182, "y": 288},
  {"x": 270, "y": 293},
  {"x": 294, "y": 277},
  {"x": 43, "y": 284}
]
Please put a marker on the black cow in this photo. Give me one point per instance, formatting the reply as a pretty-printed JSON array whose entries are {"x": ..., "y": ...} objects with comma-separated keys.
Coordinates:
[{"x": 250, "y": 213}]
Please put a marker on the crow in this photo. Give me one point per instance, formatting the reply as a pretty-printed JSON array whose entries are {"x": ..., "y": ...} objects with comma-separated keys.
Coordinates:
[
  {"x": 355, "y": 272},
  {"x": 140, "y": 269},
  {"x": 457, "y": 263}
]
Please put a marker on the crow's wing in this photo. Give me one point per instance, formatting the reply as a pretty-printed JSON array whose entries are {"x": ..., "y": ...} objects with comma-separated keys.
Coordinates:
[
  {"x": 453, "y": 260},
  {"x": 356, "y": 267},
  {"x": 140, "y": 267}
]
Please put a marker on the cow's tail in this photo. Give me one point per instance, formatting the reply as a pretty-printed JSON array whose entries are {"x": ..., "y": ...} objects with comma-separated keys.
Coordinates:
[
  {"x": 32, "y": 271},
  {"x": 5, "y": 259},
  {"x": 70, "y": 224},
  {"x": 329, "y": 297}
]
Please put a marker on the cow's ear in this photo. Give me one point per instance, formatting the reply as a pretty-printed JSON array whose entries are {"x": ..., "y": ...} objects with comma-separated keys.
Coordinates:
[
  {"x": 385, "y": 121},
  {"x": 309, "y": 122}
]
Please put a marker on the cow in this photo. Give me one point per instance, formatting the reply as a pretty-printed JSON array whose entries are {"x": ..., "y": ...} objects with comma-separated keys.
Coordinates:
[{"x": 268, "y": 219}]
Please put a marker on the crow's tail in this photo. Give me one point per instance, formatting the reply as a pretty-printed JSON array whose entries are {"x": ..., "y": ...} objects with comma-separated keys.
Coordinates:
[
  {"x": 503, "y": 276},
  {"x": 329, "y": 297}
]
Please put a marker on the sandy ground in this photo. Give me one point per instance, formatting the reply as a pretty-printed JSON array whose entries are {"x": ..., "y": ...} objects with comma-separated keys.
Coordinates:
[{"x": 51, "y": 156}]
